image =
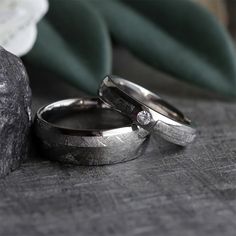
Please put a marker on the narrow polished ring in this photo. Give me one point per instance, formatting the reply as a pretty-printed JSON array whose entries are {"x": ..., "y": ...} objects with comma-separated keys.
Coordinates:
[
  {"x": 116, "y": 142},
  {"x": 147, "y": 110}
]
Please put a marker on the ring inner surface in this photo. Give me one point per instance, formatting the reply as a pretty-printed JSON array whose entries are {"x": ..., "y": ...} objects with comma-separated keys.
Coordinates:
[
  {"x": 92, "y": 118},
  {"x": 151, "y": 100}
]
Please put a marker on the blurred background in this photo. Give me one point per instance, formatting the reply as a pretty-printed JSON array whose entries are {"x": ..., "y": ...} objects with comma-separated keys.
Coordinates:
[{"x": 81, "y": 41}]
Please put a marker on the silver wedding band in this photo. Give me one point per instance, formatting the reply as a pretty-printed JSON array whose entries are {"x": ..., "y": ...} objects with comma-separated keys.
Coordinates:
[
  {"x": 126, "y": 114},
  {"x": 147, "y": 110},
  {"x": 85, "y": 146}
]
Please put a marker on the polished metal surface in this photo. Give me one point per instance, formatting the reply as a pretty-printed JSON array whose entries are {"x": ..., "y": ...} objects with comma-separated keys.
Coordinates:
[
  {"x": 147, "y": 110},
  {"x": 103, "y": 136}
]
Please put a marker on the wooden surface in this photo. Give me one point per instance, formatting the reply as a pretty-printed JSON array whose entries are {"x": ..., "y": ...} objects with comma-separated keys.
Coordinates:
[{"x": 168, "y": 191}]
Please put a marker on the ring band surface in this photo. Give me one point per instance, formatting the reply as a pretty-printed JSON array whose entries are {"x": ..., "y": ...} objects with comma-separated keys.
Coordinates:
[
  {"x": 147, "y": 110},
  {"x": 111, "y": 144}
]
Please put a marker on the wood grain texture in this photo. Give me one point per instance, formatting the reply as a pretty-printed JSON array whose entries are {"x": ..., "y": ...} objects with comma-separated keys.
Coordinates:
[{"x": 168, "y": 191}]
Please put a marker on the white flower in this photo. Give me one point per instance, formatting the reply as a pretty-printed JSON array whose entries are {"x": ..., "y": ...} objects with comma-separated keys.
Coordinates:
[{"x": 18, "y": 24}]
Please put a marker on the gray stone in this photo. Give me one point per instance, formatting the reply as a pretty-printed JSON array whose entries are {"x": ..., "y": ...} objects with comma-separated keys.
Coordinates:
[{"x": 15, "y": 112}]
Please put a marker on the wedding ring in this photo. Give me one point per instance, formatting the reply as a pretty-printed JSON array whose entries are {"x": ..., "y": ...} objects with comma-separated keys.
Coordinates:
[
  {"x": 98, "y": 135},
  {"x": 147, "y": 110}
]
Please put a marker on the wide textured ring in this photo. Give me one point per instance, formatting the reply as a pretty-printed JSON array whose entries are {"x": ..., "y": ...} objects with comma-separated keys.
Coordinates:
[
  {"x": 147, "y": 110},
  {"x": 87, "y": 132}
]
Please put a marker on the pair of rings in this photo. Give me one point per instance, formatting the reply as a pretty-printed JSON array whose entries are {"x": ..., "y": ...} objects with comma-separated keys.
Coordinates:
[{"x": 111, "y": 128}]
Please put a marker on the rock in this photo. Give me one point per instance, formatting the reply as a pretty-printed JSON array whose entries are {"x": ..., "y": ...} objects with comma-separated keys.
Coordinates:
[{"x": 15, "y": 112}]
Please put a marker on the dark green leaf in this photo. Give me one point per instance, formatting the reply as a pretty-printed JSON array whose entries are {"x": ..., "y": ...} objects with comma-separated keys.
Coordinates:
[
  {"x": 74, "y": 43},
  {"x": 178, "y": 37}
]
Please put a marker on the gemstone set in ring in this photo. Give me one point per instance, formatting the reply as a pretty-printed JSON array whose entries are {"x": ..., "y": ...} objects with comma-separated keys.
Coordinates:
[
  {"x": 115, "y": 130},
  {"x": 144, "y": 117}
]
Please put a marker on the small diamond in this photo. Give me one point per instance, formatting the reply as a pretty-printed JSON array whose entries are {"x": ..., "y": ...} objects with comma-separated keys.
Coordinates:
[{"x": 144, "y": 118}]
